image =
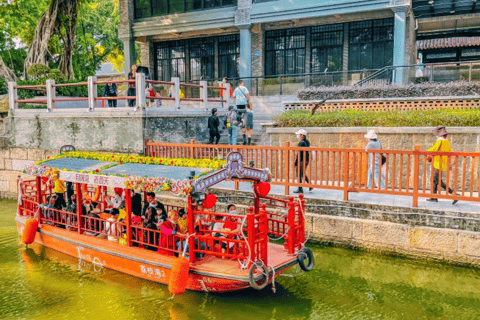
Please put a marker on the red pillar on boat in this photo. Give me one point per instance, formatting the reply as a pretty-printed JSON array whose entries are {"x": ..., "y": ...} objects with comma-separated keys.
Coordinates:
[
  {"x": 191, "y": 230},
  {"x": 128, "y": 208},
  {"x": 301, "y": 218},
  {"x": 18, "y": 204},
  {"x": 251, "y": 234},
  {"x": 38, "y": 192},
  {"x": 79, "y": 197},
  {"x": 265, "y": 233},
  {"x": 291, "y": 226}
]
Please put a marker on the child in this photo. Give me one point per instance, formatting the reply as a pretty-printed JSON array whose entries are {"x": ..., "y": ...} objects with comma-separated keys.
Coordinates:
[
  {"x": 59, "y": 189},
  {"x": 183, "y": 221}
]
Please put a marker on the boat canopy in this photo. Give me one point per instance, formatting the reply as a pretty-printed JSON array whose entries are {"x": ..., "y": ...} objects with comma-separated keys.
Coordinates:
[{"x": 147, "y": 177}]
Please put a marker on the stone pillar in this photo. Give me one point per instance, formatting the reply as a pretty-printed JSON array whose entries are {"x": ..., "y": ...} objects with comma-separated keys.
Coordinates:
[
  {"x": 140, "y": 91},
  {"x": 204, "y": 93},
  {"x": 176, "y": 92},
  {"x": 125, "y": 34},
  {"x": 50, "y": 95},
  {"x": 92, "y": 92},
  {"x": 242, "y": 22},
  {"x": 12, "y": 95},
  {"x": 399, "y": 41}
]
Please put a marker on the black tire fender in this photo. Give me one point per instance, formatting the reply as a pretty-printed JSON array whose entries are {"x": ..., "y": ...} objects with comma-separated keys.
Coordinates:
[
  {"x": 306, "y": 253},
  {"x": 251, "y": 277}
]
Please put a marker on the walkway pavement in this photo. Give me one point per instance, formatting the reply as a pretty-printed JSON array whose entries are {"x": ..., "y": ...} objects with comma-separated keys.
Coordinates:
[{"x": 368, "y": 198}]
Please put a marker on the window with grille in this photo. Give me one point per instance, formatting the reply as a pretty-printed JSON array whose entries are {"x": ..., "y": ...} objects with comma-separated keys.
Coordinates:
[
  {"x": 228, "y": 55},
  {"x": 370, "y": 44},
  {"x": 327, "y": 48},
  {"x": 202, "y": 58},
  {"x": 170, "y": 60},
  {"x": 285, "y": 51},
  {"x": 149, "y": 8}
]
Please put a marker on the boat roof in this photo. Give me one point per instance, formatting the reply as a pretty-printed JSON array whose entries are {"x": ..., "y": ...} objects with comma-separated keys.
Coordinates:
[{"x": 147, "y": 176}]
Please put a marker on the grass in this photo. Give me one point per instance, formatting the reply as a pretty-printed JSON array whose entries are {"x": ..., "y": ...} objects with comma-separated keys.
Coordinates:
[{"x": 354, "y": 118}]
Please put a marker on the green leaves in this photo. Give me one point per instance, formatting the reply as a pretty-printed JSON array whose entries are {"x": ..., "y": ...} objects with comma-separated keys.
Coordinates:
[{"x": 352, "y": 118}]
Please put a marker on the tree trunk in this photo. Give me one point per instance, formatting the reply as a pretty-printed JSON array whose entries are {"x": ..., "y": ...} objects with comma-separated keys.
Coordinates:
[
  {"x": 6, "y": 73},
  {"x": 69, "y": 19},
  {"x": 38, "y": 49}
]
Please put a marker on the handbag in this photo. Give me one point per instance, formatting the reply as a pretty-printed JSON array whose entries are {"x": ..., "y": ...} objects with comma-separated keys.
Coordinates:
[
  {"x": 430, "y": 158},
  {"x": 384, "y": 159}
]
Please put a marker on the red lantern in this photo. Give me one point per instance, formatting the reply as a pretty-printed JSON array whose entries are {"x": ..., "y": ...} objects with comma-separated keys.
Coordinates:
[
  {"x": 210, "y": 201},
  {"x": 262, "y": 189}
]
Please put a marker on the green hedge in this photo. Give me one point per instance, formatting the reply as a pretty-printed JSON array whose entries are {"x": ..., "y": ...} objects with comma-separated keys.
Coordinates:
[{"x": 353, "y": 118}]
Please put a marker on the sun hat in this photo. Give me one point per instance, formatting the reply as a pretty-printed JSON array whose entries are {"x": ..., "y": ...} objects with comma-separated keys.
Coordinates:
[
  {"x": 303, "y": 132},
  {"x": 371, "y": 134}
]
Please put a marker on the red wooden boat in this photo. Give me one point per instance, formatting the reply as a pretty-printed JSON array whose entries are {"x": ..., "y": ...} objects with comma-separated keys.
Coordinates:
[{"x": 250, "y": 259}]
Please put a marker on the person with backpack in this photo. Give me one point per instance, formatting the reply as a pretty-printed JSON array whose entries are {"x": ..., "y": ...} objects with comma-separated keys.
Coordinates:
[
  {"x": 375, "y": 162},
  {"x": 242, "y": 99},
  {"x": 110, "y": 90},
  {"x": 232, "y": 124}
]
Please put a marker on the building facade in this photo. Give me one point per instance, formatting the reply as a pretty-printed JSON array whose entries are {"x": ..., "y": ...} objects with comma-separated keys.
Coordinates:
[{"x": 211, "y": 39}]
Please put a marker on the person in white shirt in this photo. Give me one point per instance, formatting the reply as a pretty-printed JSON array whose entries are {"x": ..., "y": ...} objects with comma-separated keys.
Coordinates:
[{"x": 242, "y": 98}]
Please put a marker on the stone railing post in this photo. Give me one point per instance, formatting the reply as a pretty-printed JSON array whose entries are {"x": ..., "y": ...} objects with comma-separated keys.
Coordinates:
[
  {"x": 92, "y": 92},
  {"x": 176, "y": 92},
  {"x": 140, "y": 90},
  {"x": 204, "y": 94},
  {"x": 226, "y": 95},
  {"x": 50, "y": 95},
  {"x": 12, "y": 95}
]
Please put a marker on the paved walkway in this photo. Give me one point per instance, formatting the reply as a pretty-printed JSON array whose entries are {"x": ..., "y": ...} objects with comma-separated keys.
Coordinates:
[{"x": 369, "y": 198}]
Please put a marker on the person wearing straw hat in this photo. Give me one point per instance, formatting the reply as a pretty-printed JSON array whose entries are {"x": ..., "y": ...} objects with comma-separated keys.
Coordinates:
[
  {"x": 374, "y": 162},
  {"x": 302, "y": 159},
  {"x": 440, "y": 163}
]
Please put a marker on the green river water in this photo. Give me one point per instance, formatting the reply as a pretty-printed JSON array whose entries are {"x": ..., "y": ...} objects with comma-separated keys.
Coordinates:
[{"x": 345, "y": 284}]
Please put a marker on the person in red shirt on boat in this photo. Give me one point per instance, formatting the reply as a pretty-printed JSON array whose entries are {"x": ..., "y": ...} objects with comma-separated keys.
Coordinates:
[
  {"x": 232, "y": 225},
  {"x": 168, "y": 230}
]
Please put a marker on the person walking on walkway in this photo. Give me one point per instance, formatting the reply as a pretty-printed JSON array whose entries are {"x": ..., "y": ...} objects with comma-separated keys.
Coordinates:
[
  {"x": 131, "y": 92},
  {"x": 440, "y": 163},
  {"x": 302, "y": 160},
  {"x": 110, "y": 90},
  {"x": 213, "y": 124},
  {"x": 374, "y": 161},
  {"x": 249, "y": 124},
  {"x": 242, "y": 99},
  {"x": 232, "y": 124}
]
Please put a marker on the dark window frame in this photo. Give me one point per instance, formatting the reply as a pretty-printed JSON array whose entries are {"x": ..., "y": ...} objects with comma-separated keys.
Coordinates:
[
  {"x": 282, "y": 45},
  {"x": 374, "y": 35},
  {"x": 170, "y": 60},
  {"x": 225, "y": 53},
  {"x": 326, "y": 37},
  {"x": 204, "y": 50}
]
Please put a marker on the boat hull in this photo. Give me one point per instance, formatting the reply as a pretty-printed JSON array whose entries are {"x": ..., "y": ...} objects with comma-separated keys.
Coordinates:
[{"x": 142, "y": 263}]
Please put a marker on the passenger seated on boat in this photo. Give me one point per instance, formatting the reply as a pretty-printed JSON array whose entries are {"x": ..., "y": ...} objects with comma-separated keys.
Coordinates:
[
  {"x": 232, "y": 225},
  {"x": 168, "y": 230},
  {"x": 110, "y": 226},
  {"x": 217, "y": 232},
  {"x": 137, "y": 204},
  {"x": 160, "y": 217},
  {"x": 118, "y": 201},
  {"x": 93, "y": 225},
  {"x": 49, "y": 214},
  {"x": 183, "y": 221},
  {"x": 150, "y": 237},
  {"x": 72, "y": 207},
  {"x": 152, "y": 202}
]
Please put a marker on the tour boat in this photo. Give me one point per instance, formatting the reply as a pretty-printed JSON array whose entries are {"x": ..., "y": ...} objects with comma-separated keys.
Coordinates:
[{"x": 248, "y": 258}]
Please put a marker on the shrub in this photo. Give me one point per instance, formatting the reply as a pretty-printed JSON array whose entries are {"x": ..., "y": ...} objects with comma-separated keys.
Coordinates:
[
  {"x": 354, "y": 118},
  {"x": 38, "y": 71},
  {"x": 427, "y": 89},
  {"x": 73, "y": 91}
]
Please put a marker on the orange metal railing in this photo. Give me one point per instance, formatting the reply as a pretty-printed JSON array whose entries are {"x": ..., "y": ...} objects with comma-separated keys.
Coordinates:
[{"x": 403, "y": 172}]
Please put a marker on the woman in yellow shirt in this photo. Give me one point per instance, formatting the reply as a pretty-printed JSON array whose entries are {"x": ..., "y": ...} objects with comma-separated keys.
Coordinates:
[{"x": 440, "y": 163}]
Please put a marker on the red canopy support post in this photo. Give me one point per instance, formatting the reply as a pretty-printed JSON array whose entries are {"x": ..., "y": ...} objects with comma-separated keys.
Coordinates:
[
  {"x": 291, "y": 226},
  {"x": 19, "y": 209},
  {"x": 79, "y": 197},
  {"x": 38, "y": 194},
  {"x": 265, "y": 233},
  {"x": 191, "y": 230},
  {"x": 301, "y": 218},
  {"x": 251, "y": 235},
  {"x": 128, "y": 208}
]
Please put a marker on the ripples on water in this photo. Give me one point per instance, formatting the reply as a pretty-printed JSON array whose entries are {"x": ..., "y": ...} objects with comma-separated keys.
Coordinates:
[{"x": 39, "y": 283}]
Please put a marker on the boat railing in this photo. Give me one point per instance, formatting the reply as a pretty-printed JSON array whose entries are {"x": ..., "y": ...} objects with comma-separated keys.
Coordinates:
[
  {"x": 155, "y": 240},
  {"x": 59, "y": 218}
]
